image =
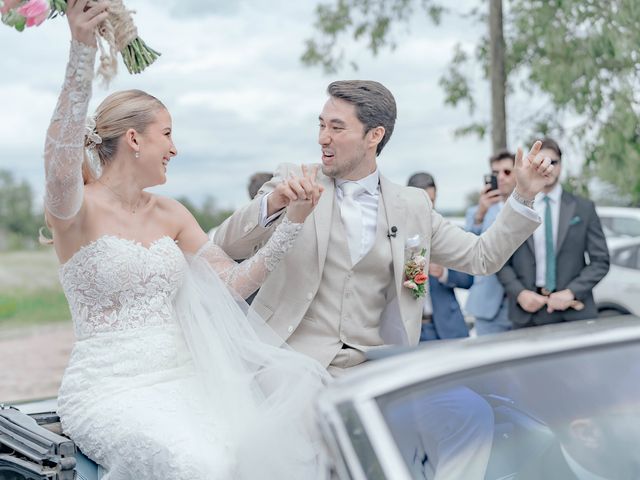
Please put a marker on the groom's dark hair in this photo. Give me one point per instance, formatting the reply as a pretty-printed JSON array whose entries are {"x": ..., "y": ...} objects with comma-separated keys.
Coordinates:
[{"x": 375, "y": 105}]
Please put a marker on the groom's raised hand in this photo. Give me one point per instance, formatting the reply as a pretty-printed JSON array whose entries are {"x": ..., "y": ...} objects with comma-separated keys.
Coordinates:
[
  {"x": 532, "y": 171},
  {"x": 295, "y": 188},
  {"x": 308, "y": 191}
]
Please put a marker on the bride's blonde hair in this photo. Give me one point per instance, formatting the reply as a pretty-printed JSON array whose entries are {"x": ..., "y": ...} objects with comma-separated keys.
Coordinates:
[{"x": 116, "y": 114}]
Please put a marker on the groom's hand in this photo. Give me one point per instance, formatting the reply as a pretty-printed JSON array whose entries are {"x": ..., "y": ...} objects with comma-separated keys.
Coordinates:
[
  {"x": 532, "y": 171},
  {"x": 295, "y": 188},
  {"x": 280, "y": 197},
  {"x": 308, "y": 191}
]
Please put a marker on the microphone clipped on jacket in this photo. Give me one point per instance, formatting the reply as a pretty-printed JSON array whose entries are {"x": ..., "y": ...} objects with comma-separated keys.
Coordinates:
[{"x": 393, "y": 231}]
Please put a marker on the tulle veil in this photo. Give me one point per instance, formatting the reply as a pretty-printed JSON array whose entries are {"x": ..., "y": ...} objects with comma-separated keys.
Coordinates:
[{"x": 265, "y": 389}]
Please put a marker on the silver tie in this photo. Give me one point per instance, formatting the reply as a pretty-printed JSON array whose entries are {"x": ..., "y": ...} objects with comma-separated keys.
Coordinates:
[{"x": 351, "y": 213}]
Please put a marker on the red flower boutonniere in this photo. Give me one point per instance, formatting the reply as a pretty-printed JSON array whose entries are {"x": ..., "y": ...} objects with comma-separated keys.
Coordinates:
[{"x": 415, "y": 277}]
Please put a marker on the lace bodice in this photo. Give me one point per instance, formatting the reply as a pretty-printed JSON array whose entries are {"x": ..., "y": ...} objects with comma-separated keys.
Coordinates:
[{"x": 118, "y": 284}]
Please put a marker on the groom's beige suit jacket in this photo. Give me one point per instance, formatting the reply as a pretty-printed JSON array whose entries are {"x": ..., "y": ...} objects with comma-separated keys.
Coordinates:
[{"x": 291, "y": 289}]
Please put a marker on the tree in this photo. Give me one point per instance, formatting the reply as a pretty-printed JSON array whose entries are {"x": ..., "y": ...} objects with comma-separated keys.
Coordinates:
[
  {"x": 581, "y": 54},
  {"x": 208, "y": 215},
  {"x": 16, "y": 207},
  {"x": 498, "y": 75}
]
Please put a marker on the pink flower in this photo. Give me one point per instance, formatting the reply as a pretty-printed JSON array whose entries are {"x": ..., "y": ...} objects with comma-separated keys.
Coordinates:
[
  {"x": 8, "y": 5},
  {"x": 35, "y": 11}
]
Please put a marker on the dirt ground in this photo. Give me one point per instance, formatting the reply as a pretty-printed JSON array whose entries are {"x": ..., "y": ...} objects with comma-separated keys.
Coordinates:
[{"x": 32, "y": 361}]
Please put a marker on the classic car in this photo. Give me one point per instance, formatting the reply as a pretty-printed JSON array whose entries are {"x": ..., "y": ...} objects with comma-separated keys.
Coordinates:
[{"x": 539, "y": 403}]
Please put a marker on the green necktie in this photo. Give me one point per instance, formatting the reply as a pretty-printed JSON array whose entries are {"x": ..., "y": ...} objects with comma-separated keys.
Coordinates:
[{"x": 550, "y": 254}]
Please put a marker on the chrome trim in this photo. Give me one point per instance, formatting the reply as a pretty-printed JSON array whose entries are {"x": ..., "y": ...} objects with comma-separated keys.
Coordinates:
[
  {"x": 339, "y": 442},
  {"x": 382, "y": 441}
]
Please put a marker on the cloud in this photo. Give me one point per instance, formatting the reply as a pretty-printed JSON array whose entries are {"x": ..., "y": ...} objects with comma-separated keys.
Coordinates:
[{"x": 240, "y": 99}]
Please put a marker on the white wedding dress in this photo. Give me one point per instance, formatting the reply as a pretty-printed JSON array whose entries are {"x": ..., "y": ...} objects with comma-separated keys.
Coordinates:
[{"x": 169, "y": 378}]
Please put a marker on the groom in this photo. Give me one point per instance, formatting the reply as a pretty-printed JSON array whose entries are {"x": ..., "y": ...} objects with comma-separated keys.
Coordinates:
[{"x": 340, "y": 290}]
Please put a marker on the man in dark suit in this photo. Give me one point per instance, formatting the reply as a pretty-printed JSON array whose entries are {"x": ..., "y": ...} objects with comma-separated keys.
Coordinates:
[
  {"x": 548, "y": 279},
  {"x": 441, "y": 317}
]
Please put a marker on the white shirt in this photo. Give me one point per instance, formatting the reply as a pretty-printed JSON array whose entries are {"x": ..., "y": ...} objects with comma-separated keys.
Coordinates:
[
  {"x": 539, "y": 239},
  {"x": 368, "y": 202}
]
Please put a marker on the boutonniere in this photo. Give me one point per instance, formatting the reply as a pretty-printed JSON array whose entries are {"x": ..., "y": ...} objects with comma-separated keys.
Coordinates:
[
  {"x": 575, "y": 220},
  {"x": 415, "y": 277}
]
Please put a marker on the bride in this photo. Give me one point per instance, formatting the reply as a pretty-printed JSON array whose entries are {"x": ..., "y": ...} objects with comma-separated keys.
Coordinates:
[{"x": 168, "y": 377}]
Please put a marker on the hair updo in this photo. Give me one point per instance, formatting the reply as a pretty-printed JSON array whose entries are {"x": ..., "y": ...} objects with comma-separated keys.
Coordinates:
[{"x": 117, "y": 113}]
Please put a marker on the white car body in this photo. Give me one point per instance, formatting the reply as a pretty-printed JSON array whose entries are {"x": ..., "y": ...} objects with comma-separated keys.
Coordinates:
[
  {"x": 619, "y": 221},
  {"x": 619, "y": 291}
]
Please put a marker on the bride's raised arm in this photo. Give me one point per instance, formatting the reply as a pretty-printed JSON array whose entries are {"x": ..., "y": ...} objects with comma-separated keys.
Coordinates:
[{"x": 64, "y": 146}]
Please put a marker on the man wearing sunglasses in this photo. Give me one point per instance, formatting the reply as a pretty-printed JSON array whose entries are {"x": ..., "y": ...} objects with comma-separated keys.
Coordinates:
[
  {"x": 548, "y": 279},
  {"x": 487, "y": 300}
]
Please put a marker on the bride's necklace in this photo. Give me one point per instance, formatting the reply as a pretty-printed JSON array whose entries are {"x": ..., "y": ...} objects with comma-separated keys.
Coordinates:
[{"x": 130, "y": 208}]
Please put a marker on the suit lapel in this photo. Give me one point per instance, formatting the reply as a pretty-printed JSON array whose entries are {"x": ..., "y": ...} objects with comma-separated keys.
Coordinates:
[
  {"x": 567, "y": 209},
  {"x": 531, "y": 245},
  {"x": 322, "y": 218},
  {"x": 394, "y": 205}
]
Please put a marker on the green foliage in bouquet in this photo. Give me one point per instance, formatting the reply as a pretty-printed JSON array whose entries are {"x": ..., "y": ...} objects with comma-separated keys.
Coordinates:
[{"x": 118, "y": 27}]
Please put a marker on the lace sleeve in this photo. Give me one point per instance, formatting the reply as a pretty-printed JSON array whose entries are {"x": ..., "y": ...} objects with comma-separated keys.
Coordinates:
[
  {"x": 64, "y": 147},
  {"x": 246, "y": 277}
]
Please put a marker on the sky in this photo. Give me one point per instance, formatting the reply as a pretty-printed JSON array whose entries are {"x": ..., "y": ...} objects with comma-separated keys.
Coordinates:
[{"x": 241, "y": 100}]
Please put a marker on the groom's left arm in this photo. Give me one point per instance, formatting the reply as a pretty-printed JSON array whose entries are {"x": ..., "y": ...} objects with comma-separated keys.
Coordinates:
[{"x": 487, "y": 253}]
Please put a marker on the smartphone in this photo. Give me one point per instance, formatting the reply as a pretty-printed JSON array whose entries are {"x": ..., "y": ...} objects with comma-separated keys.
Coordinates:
[{"x": 491, "y": 179}]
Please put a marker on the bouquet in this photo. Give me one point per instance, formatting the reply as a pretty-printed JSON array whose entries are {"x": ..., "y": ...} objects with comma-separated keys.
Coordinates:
[{"x": 118, "y": 31}]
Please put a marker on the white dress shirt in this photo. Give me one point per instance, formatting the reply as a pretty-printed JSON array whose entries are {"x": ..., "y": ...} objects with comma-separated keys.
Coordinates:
[
  {"x": 368, "y": 202},
  {"x": 539, "y": 239}
]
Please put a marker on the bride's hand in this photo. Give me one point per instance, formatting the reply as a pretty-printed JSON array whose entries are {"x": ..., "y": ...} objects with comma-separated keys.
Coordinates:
[
  {"x": 308, "y": 191},
  {"x": 84, "y": 16}
]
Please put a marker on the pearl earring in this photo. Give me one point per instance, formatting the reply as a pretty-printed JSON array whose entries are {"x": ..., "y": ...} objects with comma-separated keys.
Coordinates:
[{"x": 137, "y": 154}]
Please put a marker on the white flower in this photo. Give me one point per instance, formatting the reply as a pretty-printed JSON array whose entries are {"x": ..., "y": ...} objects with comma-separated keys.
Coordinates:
[
  {"x": 410, "y": 284},
  {"x": 420, "y": 260},
  {"x": 93, "y": 138}
]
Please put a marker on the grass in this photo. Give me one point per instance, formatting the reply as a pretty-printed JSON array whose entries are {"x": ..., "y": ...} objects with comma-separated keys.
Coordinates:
[
  {"x": 30, "y": 292},
  {"x": 32, "y": 307}
]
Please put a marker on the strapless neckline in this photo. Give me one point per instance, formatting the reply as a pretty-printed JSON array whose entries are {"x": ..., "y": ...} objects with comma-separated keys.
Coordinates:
[{"x": 102, "y": 238}]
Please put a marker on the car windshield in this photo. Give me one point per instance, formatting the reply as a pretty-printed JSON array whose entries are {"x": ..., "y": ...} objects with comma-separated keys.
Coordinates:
[{"x": 569, "y": 415}]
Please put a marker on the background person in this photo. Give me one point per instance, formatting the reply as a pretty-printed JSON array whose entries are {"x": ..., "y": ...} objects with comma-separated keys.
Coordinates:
[
  {"x": 548, "y": 279},
  {"x": 487, "y": 300},
  {"x": 441, "y": 315}
]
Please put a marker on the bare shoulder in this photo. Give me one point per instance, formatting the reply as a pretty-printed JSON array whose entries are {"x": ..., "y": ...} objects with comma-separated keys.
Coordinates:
[
  {"x": 168, "y": 205},
  {"x": 172, "y": 213},
  {"x": 190, "y": 235}
]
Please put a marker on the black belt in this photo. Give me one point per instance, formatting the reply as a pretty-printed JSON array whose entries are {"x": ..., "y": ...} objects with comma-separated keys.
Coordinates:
[{"x": 427, "y": 318}]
